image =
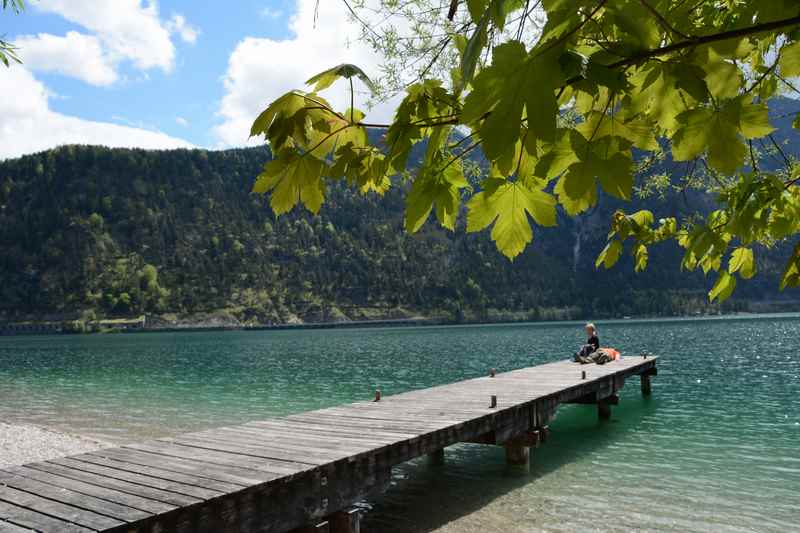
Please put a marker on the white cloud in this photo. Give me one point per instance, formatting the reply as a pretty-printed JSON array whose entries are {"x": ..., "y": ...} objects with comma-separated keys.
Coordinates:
[
  {"x": 177, "y": 24},
  {"x": 128, "y": 29},
  {"x": 76, "y": 54},
  {"x": 182, "y": 122},
  {"x": 260, "y": 70},
  {"x": 270, "y": 13},
  {"x": 29, "y": 125}
]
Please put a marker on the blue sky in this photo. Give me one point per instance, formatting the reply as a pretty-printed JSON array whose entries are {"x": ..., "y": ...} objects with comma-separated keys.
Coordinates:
[{"x": 172, "y": 72}]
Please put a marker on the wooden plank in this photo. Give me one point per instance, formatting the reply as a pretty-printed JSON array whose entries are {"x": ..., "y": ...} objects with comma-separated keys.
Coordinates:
[
  {"x": 277, "y": 469},
  {"x": 354, "y": 422},
  {"x": 397, "y": 419},
  {"x": 68, "y": 513},
  {"x": 21, "y": 516},
  {"x": 310, "y": 439},
  {"x": 98, "y": 491},
  {"x": 255, "y": 452},
  {"x": 375, "y": 438},
  {"x": 76, "y": 499},
  {"x": 8, "y": 527},
  {"x": 166, "y": 475},
  {"x": 163, "y": 496},
  {"x": 199, "y": 493},
  {"x": 310, "y": 424},
  {"x": 242, "y": 477},
  {"x": 273, "y": 437}
]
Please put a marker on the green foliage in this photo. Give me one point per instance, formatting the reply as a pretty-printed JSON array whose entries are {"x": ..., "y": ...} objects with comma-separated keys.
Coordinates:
[
  {"x": 80, "y": 238},
  {"x": 325, "y": 79},
  {"x": 508, "y": 205},
  {"x": 8, "y": 52},
  {"x": 560, "y": 111}
]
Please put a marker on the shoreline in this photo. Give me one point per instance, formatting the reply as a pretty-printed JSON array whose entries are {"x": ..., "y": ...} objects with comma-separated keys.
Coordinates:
[
  {"x": 49, "y": 328},
  {"x": 26, "y": 443}
]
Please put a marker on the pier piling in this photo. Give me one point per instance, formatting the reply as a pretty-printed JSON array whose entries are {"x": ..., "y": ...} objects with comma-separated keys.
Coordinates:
[
  {"x": 347, "y": 521},
  {"x": 436, "y": 458},
  {"x": 518, "y": 457}
]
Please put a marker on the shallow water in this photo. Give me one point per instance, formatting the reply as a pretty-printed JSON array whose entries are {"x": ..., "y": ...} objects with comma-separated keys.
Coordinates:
[{"x": 716, "y": 448}]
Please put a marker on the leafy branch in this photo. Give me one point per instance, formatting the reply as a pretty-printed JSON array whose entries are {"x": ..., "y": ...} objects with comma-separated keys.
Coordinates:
[{"x": 570, "y": 115}]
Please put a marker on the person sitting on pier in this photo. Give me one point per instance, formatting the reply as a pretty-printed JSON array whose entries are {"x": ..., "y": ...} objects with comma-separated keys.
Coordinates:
[{"x": 591, "y": 346}]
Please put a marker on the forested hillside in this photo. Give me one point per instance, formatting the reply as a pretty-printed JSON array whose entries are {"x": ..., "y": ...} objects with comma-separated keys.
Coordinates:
[{"x": 90, "y": 232}]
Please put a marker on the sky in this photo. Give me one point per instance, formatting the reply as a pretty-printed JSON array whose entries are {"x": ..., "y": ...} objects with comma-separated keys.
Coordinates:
[{"x": 166, "y": 73}]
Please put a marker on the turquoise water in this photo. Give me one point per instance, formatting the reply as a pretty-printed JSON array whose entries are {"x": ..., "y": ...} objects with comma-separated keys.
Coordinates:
[{"x": 716, "y": 448}]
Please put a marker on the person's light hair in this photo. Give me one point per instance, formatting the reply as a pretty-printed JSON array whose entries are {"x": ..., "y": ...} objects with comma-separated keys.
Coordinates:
[{"x": 592, "y": 326}]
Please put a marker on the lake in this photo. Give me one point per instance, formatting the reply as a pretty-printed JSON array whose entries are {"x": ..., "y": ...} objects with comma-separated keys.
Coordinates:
[{"x": 716, "y": 447}]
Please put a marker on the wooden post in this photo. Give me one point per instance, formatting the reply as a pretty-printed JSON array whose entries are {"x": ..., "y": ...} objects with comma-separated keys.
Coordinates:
[
  {"x": 347, "y": 521},
  {"x": 377, "y": 395},
  {"x": 646, "y": 385},
  {"x": 493, "y": 402},
  {"x": 436, "y": 458},
  {"x": 604, "y": 409},
  {"x": 518, "y": 457}
]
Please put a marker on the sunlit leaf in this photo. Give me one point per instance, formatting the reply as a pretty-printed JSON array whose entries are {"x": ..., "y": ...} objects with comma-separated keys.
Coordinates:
[
  {"x": 723, "y": 287},
  {"x": 609, "y": 255},
  {"x": 292, "y": 179},
  {"x": 789, "y": 62},
  {"x": 508, "y": 207},
  {"x": 326, "y": 78},
  {"x": 742, "y": 261}
]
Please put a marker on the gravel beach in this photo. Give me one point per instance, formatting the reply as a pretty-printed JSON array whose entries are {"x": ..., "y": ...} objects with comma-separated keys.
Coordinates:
[{"x": 20, "y": 444}]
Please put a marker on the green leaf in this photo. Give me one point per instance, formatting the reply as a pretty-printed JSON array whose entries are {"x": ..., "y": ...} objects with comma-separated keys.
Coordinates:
[
  {"x": 742, "y": 261},
  {"x": 789, "y": 62},
  {"x": 499, "y": 10},
  {"x": 716, "y": 132},
  {"x": 791, "y": 274},
  {"x": 602, "y": 159},
  {"x": 576, "y": 189},
  {"x": 285, "y": 106},
  {"x": 424, "y": 102},
  {"x": 561, "y": 154},
  {"x": 325, "y": 79},
  {"x": 614, "y": 171},
  {"x": 508, "y": 206},
  {"x": 472, "y": 51},
  {"x": 330, "y": 132},
  {"x": 292, "y": 178},
  {"x": 634, "y": 24},
  {"x": 440, "y": 189},
  {"x": 513, "y": 83},
  {"x": 610, "y": 254},
  {"x": 641, "y": 256},
  {"x": 642, "y": 218},
  {"x": 754, "y": 121},
  {"x": 723, "y": 288},
  {"x": 692, "y": 138},
  {"x": 637, "y": 131},
  {"x": 723, "y": 78},
  {"x": 477, "y": 8}
]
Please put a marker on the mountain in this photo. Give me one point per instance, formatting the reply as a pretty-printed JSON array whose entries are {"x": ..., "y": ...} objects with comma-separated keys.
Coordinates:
[{"x": 89, "y": 232}]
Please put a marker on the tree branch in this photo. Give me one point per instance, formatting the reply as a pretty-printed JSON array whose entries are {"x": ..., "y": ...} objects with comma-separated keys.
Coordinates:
[
  {"x": 706, "y": 39},
  {"x": 574, "y": 30},
  {"x": 664, "y": 22},
  {"x": 453, "y": 8},
  {"x": 780, "y": 150}
]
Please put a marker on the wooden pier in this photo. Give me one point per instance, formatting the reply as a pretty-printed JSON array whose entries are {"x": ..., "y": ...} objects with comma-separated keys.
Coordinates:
[{"x": 303, "y": 471}]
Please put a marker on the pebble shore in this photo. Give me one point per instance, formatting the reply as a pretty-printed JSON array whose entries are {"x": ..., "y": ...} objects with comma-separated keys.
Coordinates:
[{"x": 20, "y": 444}]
